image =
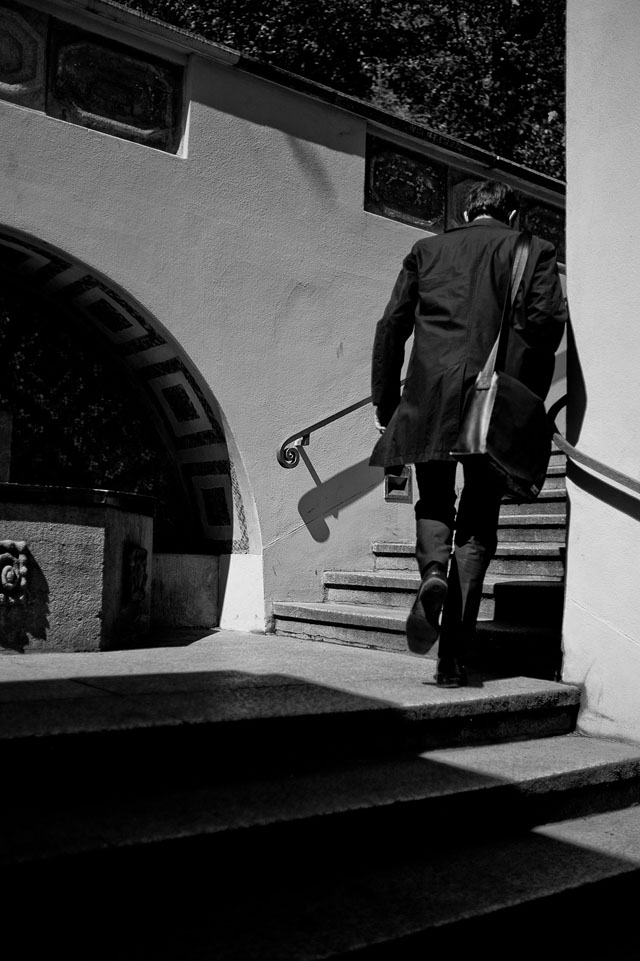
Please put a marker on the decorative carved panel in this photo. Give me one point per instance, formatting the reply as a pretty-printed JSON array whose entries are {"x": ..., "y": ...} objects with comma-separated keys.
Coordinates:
[
  {"x": 13, "y": 572},
  {"x": 134, "y": 573},
  {"x": 22, "y": 56},
  {"x": 545, "y": 221},
  {"x": 409, "y": 187},
  {"x": 405, "y": 186},
  {"x": 113, "y": 88}
]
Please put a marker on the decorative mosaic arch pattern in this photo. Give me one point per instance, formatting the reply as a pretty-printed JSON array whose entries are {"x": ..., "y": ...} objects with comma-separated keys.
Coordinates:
[{"x": 194, "y": 425}]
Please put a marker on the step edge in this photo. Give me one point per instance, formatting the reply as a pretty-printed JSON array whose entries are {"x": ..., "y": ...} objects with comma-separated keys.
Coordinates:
[{"x": 330, "y": 805}]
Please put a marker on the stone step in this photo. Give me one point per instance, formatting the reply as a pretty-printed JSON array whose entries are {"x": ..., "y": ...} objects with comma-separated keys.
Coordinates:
[
  {"x": 376, "y": 626},
  {"x": 276, "y": 702},
  {"x": 528, "y": 614},
  {"x": 536, "y": 558},
  {"x": 542, "y": 887},
  {"x": 382, "y": 627},
  {"x": 515, "y": 558},
  {"x": 549, "y": 501},
  {"x": 521, "y": 783},
  {"x": 556, "y": 480},
  {"x": 262, "y": 797},
  {"x": 532, "y": 527},
  {"x": 448, "y": 887},
  {"x": 528, "y": 602},
  {"x": 503, "y": 649},
  {"x": 397, "y": 588}
]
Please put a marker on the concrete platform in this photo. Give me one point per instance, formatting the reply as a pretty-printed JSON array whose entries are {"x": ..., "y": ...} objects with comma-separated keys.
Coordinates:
[
  {"x": 227, "y": 703},
  {"x": 226, "y": 675}
]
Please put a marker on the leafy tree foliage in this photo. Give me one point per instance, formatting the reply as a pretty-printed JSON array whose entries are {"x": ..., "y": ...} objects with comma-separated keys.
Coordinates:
[{"x": 490, "y": 72}]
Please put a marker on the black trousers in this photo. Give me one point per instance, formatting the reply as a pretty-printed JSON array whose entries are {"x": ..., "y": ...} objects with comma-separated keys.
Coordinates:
[{"x": 471, "y": 533}]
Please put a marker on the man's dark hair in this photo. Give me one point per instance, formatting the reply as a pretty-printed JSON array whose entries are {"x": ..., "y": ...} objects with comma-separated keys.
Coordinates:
[{"x": 491, "y": 197}]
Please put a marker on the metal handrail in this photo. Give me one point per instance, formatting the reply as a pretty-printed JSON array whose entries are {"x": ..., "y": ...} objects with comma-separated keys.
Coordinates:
[
  {"x": 577, "y": 455},
  {"x": 288, "y": 456}
]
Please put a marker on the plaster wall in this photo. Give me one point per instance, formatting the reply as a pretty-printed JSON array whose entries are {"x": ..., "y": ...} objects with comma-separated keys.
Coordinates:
[
  {"x": 602, "y": 619},
  {"x": 253, "y": 250},
  {"x": 298, "y": 274}
]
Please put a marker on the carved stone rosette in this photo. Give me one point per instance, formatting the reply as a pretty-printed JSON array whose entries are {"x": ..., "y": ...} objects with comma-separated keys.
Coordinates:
[
  {"x": 13, "y": 572},
  {"x": 135, "y": 573}
]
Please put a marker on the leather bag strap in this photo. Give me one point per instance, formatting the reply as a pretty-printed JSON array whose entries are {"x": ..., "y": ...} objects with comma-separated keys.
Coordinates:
[{"x": 520, "y": 258}]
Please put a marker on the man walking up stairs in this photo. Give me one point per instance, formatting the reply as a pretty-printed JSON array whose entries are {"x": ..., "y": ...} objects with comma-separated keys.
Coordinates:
[{"x": 477, "y": 299}]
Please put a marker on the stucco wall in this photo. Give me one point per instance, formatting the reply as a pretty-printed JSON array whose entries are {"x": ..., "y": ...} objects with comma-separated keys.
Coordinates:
[
  {"x": 252, "y": 248},
  {"x": 298, "y": 275},
  {"x": 602, "y": 620}
]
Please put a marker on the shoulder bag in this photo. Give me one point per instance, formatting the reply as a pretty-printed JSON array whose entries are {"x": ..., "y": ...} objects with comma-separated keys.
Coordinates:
[{"x": 503, "y": 421}]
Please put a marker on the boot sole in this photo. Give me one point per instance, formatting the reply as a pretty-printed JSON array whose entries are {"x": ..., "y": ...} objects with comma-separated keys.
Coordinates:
[
  {"x": 422, "y": 623},
  {"x": 451, "y": 682}
]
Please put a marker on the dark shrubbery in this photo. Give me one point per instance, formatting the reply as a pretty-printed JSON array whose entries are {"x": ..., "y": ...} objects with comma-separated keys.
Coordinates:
[{"x": 490, "y": 72}]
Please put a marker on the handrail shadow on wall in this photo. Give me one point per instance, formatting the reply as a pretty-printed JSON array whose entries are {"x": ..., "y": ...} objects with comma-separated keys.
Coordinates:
[{"x": 329, "y": 497}]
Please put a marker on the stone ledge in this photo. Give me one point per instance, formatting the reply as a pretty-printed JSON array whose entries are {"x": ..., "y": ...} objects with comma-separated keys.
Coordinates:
[{"x": 77, "y": 497}]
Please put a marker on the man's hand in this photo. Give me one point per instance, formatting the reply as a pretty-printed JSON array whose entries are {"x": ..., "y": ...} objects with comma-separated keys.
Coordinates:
[{"x": 376, "y": 420}]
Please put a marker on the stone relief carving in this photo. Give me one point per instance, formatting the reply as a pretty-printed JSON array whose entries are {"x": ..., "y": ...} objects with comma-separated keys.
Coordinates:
[
  {"x": 13, "y": 572},
  {"x": 411, "y": 188},
  {"x": 135, "y": 573},
  {"x": 107, "y": 87},
  {"x": 406, "y": 187},
  {"x": 22, "y": 57}
]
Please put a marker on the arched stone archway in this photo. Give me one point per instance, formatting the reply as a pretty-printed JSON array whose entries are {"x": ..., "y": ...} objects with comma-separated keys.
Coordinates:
[{"x": 192, "y": 423}]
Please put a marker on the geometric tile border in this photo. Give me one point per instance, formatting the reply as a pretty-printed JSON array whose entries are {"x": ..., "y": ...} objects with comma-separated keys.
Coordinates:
[{"x": 198, "y": 440}]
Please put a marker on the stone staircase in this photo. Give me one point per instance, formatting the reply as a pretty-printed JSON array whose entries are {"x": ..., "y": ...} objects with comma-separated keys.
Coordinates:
[
  {"x": 521, "y": 611},
  {"x": 272, "y": 798}
]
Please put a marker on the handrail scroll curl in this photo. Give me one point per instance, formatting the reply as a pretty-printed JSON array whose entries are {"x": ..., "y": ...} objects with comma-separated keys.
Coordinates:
[{"x": 288, "y": 454}]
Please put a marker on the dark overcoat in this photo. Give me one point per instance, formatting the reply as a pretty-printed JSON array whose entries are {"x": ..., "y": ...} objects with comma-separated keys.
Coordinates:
[{"x": 449, "y": 294}]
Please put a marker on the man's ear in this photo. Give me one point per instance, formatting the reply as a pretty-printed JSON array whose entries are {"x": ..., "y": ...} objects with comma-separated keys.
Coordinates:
[
  {"x": 465, "y": 216},
  {"x": 512, "y": 217}
]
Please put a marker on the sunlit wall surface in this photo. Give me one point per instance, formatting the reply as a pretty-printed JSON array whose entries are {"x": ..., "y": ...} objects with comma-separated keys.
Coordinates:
[{"x": 602, "y": 617}]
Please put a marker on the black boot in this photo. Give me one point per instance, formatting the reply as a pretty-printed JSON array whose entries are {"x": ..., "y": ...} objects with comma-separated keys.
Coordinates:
[
  {"x": 450, "y": 672},
  {"x": 423, "y": 622}
]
